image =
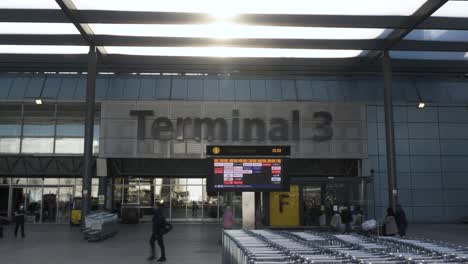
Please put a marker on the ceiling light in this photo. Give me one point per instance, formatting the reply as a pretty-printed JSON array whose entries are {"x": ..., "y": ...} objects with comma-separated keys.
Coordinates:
[
  {"x": 421, "y": 105},
  {"x": 38, "y": 101}
]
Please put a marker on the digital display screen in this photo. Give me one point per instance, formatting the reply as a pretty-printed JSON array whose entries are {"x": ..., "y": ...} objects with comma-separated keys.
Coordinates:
[{"x": 249, "y": 174}]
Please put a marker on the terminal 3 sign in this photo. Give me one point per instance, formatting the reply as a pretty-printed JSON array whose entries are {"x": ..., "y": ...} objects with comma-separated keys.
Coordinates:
[
  {"x": 162, "y": 128},
  {"x": 176, "y": 129}
]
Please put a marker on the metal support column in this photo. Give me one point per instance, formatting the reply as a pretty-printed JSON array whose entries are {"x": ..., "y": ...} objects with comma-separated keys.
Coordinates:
[
  {"x": 389, "y": 131},
  {"x": 89, "y": 127}
]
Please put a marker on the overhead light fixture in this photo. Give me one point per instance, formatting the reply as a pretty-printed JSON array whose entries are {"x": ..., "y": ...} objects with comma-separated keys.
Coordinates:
[
  {"x": 38, "y": 101},
  {"x": 421, "y": 105}
]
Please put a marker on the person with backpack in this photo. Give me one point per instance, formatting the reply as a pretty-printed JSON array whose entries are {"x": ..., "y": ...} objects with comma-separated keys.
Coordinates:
[
  {"x": 160, "y": 228},
  {"x": 401, "y": 220},
  {"x": 19, "y": 220},
  {"x": 346, "y": 218}
]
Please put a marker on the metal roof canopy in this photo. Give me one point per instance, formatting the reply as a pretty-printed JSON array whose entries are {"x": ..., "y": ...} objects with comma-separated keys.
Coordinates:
[{"x": 367, "y": 63}]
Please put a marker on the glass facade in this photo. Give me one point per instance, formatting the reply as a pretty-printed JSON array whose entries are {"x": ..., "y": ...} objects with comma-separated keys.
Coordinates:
[
  {"x": 44, "y": 129},
  {"x": 46, "y": 200},
  {"x": 182, "y": 199}
]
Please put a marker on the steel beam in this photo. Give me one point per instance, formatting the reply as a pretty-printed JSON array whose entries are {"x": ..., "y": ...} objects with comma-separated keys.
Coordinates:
[
  {"x": 389, "y": 132},
  {"x": 423, "y": 13},
  {"x": 89, "y": 128}
]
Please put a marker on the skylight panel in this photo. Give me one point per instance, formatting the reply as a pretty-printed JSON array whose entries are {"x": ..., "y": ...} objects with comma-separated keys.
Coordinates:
[
  {"x": 235, "y": 31},
  {"x": 29, "y": 4},
  {"x": 43, "y": 49},
  {"x": 429, "y": 55},
  {"x": 453, "y": 9},
  {"x": 438, "y": 35},
  {"x": 228, "y": 52},
  {"x": 224, "y": 8},
  {"x": 37, "y": 28}
]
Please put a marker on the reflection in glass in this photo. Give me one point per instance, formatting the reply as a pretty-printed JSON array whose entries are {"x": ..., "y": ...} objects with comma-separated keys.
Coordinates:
[
  {"x": 37, "y": 145},
  {"x": 10, "y": 145},
  {"x": 195, "y": 201},
  {"x": 69, "y": 145},
  {"x": 179, "y": 199},
  {"x": 33, "y": 204},
  {"x": 49, "y": 206},
  {"x": 38, "y": 130},
  {"x": 10, "y": 130},
  {"x": 51, "y": 181},
  {"x": 64, "y": 204}
]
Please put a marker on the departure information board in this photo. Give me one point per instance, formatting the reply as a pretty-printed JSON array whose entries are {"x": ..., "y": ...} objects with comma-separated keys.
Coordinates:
[{"x": 249, "y": 174}]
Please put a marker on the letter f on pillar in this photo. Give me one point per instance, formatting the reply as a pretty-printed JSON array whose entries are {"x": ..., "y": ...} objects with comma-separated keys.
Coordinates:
[{"x": 141, "y": 125}]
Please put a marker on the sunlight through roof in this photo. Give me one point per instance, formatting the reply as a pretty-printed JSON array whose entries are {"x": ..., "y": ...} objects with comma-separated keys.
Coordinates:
[
  {"x": 453, "y": 9},
  {"x": 43, "y": 49},
  {"x": 224, "y": 8},
  {"x": 234, "y": 31},
  {"x": 232, "y": 52},
  {"x": 33, "y": 4},
  {"x": 37, "y": 28}
]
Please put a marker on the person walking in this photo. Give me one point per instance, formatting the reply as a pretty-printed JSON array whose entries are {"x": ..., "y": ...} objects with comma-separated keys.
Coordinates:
[
  {"x": 346, "y": 219},
  {"x": 160, "y": 228},
  {"x": 401, "y": 220},
  {"x": 19, "y": 220},
  {"x": 228, "y": 218},
  {"x": 391, "y": 227}
]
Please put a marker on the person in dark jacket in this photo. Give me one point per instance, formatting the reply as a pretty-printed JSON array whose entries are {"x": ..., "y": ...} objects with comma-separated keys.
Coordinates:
[
  {"x": 160, "y": 228},
  {"x": 401, "y": 220},
  {"x": 19, "y": 220},
  {"x": 346, "y": 218}
]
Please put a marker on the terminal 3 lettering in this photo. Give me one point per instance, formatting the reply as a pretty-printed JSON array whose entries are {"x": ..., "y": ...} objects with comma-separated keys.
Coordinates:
[{"x": 280, "y": 129}]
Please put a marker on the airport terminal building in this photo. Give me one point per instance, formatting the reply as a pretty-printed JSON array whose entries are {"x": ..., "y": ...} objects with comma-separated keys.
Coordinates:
[{"x": 152, "y": 132}]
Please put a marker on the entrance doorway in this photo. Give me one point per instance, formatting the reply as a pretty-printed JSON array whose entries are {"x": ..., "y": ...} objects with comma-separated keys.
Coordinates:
[
  {"x": 320, "y": 200},
  {"x": 181, "y": 199}
]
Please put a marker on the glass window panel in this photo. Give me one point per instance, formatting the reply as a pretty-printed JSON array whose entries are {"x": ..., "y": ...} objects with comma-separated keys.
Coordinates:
[
  {"x": 5, "y": 180},
  {"x": 96, "y": 146},
  {"x": 69, "y": 145},
  {"x": 37, "y": 145},
  {"x": 220, "y": 10},
  {"x": 49, "y": 205},
  {"x": 33, "y": 204},
  {"x": 35, "y": 181},
  {"x": 19, "y": 181},
  {"x": 233, "y": 52},
  {"x": 65, "y": 204},
  {"x": 96, "y": 131},
  {"x": 194, "y": 181},
  {"x": 43, "y": 49},
  {"x": 429, "y": 55},
  {"x": 51, "y": 181},
  {"x": 41, "y": 111},
  {"x": 38, "y": 130},
  {"x": 78, "y": 190},
  {"x": 158, "y": 181},
  {"x": 95, "y": 181},
  {"x": 8, "y": 111},
  {"x": 71, "y": 111},
  {"x": 25, "y": 4},
  {"x": 453, "y": 9},
  {"x": 67, "y": 181},
  {"x": 179, "y": 201},
  {"x": 195, "y": 201},
  {"x": 9, "y": 145},
  {"x": 10, "y": 130},
  {"x": 438, "y": 35},
  {"x": 70, "y": 130},
  {"x": 37, "y": 28},
  {"x": 235, "y": 31}
]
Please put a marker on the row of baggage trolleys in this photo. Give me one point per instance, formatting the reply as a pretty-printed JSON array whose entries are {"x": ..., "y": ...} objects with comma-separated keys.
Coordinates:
[{"x": 275, "y": 247}]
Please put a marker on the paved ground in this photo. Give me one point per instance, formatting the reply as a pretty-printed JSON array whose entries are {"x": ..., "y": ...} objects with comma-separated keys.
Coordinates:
[
  {"x": 187, "y": 243},
  {"x": 57, "y": 244},
  {"x": 457, "y": 234}
]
